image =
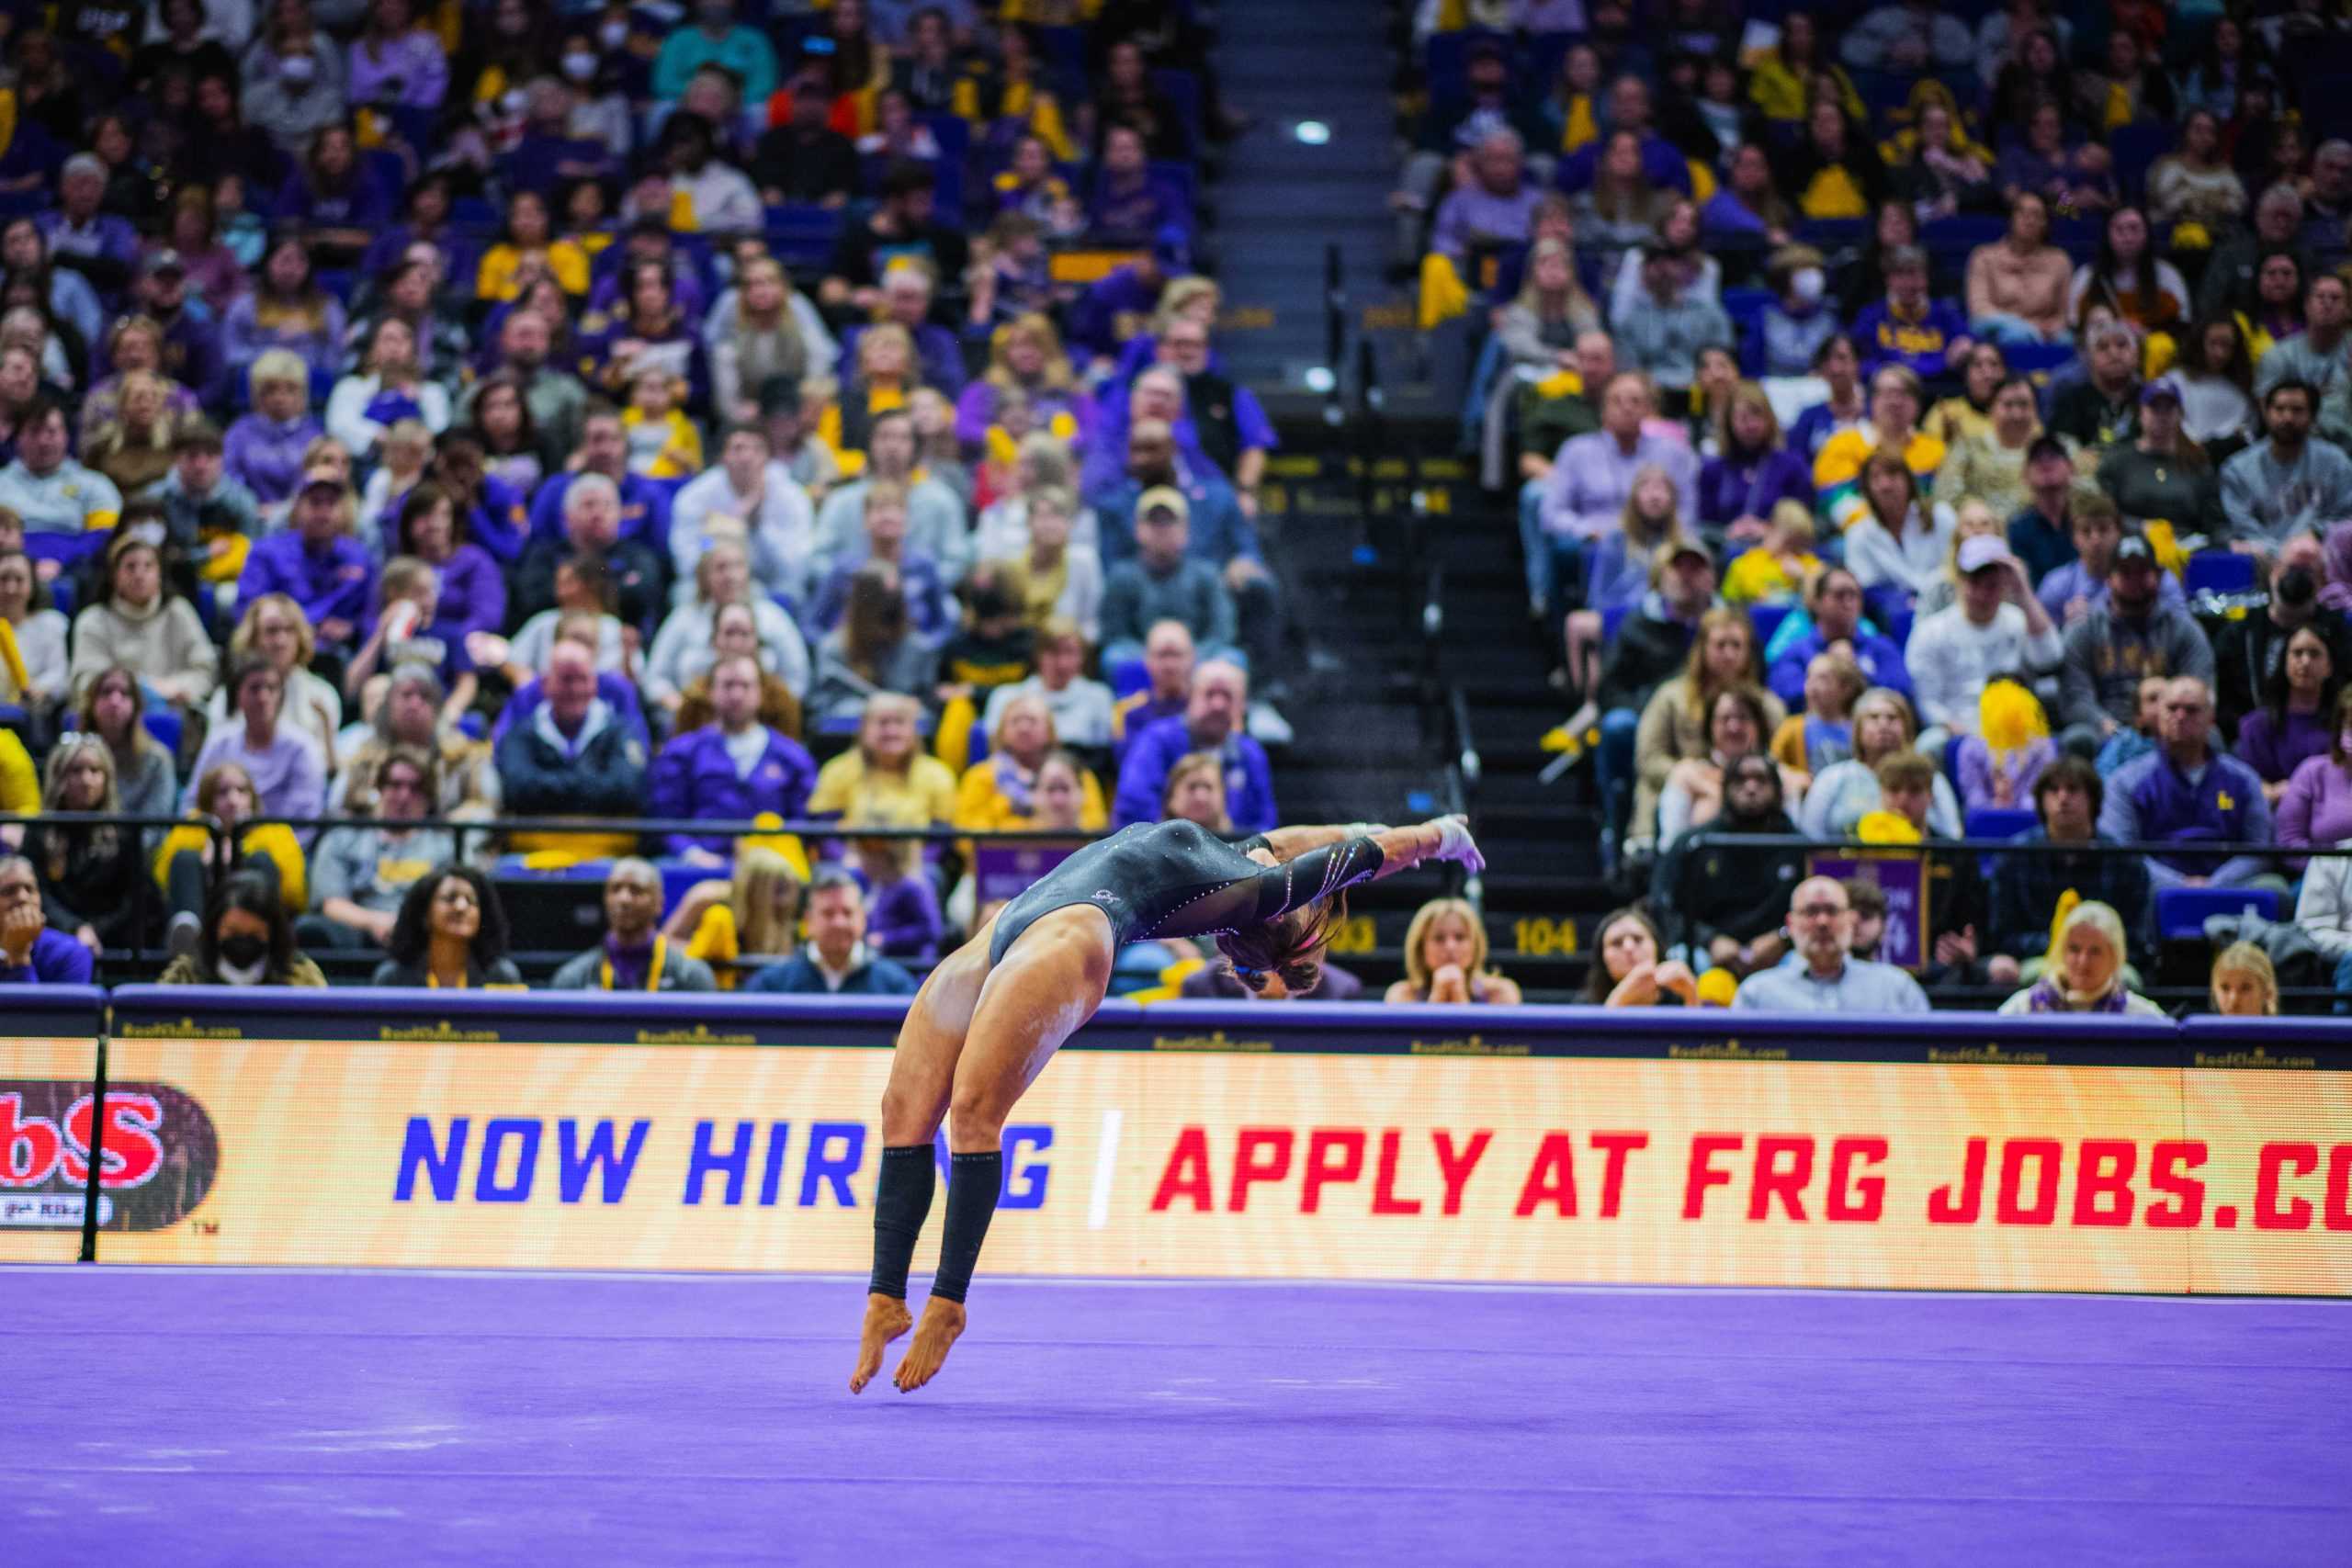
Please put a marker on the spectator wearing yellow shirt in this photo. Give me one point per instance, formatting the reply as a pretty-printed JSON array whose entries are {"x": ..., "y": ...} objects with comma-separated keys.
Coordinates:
[
  {"x": 1776, "y": 571},
  {"x": 1897, "y": 397},
  {"x": 885, "y": 781},
  {"x": 191, "y": 860},
  {"x": 1780, "y": 80},
  {"x": 527, "y": 249},
  {"x": 998, "y": 792},
  {"x": 664, "y": 444},
  {"x": 753, "y": 917}
]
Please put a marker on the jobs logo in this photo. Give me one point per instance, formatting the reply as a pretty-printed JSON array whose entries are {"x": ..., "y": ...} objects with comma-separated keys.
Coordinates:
[{"x": 157, "y": 1151}]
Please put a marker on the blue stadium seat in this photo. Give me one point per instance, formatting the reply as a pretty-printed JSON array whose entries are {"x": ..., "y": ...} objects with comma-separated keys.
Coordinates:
[
  {"x": 2036, "y": 358},
  {"x": 1767, "y": 619},
  {"x": 2219, "y": 572},
  {"x": 2137, "y": 146},
  {"x": 2181, "y": 912},
  {"x": 164, "y": 724},
  {"x": 1611, "y": 620},
  {"x": 2000, "y": 821},
  {"x": 1127, "y": 677},
  {"x": 1183, "y": 90},
  {"x": 1745, "y": 307}
]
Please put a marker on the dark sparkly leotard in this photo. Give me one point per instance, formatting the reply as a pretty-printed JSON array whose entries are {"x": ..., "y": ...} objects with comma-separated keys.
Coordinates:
[{"x": 1179, "y": 879}]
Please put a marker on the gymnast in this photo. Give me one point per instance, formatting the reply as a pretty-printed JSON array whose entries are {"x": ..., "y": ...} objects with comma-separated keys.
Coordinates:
[{"x": 993, "y": 1012}]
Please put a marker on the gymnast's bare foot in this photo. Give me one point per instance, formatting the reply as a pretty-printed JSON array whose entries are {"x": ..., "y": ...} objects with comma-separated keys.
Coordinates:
[
  {"x": 943, "y": 1324},
  {"x": 886, "y": 1319}
]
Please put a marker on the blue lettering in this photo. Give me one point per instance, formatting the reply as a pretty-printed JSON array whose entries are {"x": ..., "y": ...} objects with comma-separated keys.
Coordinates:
[
  {"x": 735, "y": 1161},
  {"x": 578, "y": 1163},
  {"x": 1024, "y": 1185},
  {"x": 441, "y": 1166},
  {"x": 525, "y": 1132},
  {"x": 771, "y": 1174},
  {"x": 824, "y": 1166}
]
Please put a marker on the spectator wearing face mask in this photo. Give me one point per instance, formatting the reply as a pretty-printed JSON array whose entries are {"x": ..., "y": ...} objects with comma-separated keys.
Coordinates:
[
  {"x": 2249, "y": 651},
  {"x": 245, "y": 940}
]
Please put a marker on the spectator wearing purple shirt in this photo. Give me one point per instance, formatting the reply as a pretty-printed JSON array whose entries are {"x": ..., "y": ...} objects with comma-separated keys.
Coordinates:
[
  {"x": 99, "y": 245},
  {"x": 335, "y": 197},
  {"x": 906, "y": 300},
  {"x": 2297, "y": 719},
  {"x": 473, "y": 591},
  {"x": 1495, "y": 208},
  {"x": 263, "y": 450},
  {"x": 396, "y": 63},
  {"x": 1629, "y": 111},
  {"x": 1926, "y": 336},
  {"x": 1584, "y": 494},
  {"x": 1119, "y": 306},
  {"x": 32, "y": 952},
  {"x": 317, "y": 564},
  {"x": 728, "y": 770},
  {"x": 903, "y": 919},
  {"x": 289, "y": 776},
  {"x": 1739, "y": 486},
  {"x": 1126, "y": 198}
]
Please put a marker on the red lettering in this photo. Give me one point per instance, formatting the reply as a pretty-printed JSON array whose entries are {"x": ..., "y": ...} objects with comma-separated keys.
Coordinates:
[
  {"x": 1187, "y": 1175},
  {"x": 2048, "y": 1156},
  {"x": 28, "y": 1145},
  {"x": 1552, "y": 1179},
  {"x": 1960, "y": 1203},
  {"x": 1322, "y": 1170},
  {"x": 1702, "y": 1173},
  {"x": 1384, "y": 1187},
  {"x": 2106, "y": 1173},
  {"x": 2185, "y": 1195},
  {"x": 2270, "y": 1215},
  {"x": 1856, "y": 1199},
  {"x": 134, "y": 1151},
  {"x": 1616, "y": 1145},
  {"x": 2339, "y": 1188},
  {"x": 1454, "y": 1168},
  {"x": 1774, "y": 1181},
  {"x": 1260, "y": 1154}
]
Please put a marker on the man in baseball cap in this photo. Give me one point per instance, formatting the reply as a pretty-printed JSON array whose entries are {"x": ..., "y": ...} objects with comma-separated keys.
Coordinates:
[{"x": 1994, "y": 627}]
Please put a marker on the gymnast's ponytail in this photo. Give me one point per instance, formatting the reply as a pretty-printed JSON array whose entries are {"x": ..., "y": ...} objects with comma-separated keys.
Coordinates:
[{"x": 1291, "y": 947}]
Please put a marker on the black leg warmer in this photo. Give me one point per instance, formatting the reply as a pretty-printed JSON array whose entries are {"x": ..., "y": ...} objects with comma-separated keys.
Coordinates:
[
  {"x": 901, "y": 1203},
  {"x": 973, "y": 1181}
]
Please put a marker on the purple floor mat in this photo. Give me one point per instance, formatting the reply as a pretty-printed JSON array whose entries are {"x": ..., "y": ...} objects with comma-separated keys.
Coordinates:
[{"x": 217, "y": 1416}]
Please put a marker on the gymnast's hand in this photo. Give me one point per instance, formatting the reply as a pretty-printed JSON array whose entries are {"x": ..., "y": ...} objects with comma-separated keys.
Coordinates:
[{"x": 1454, "y": 843}]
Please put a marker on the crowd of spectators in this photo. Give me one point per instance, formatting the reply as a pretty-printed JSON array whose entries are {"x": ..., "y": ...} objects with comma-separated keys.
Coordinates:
[
  {"x": 1928, "y": 421},
  {"x": 523, "y": 410}
]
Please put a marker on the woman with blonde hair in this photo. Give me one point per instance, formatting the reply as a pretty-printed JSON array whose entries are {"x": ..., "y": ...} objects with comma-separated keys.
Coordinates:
[
  {"x": 1445, "y": 959},
  {"x": 735, "y": 634},
  {"x": 1540, "y": 327},
  {"x": 89, "y": 872},
  {"x": 133, "y": 344},
  {"x": 2085, "y": 974},
  {"x": 1026, "y": 356},
  {"x": 1972, "y": 519},
  {"x": 685, "y": 646},
  {"x": 751, "y": 918},
  {"x": 885, "y": 780},
  {"x": 274, "y": 628},
  {"x": 146, "y": 775},
  {"x": 885, "y": 377},
  {"x": 135, "y": 447},
  {"x": 998, "y": 793},
  {"x": 1676, "y": 722},
  {"x": 1844, "y": 792},
  {"x": 1989, "y": 464},
  {"x": 2245, "y": 984},
  {"x": 266, "y": 449},
  {"x": 764, "y": 339},
  {"x": 191, "y": 860}
]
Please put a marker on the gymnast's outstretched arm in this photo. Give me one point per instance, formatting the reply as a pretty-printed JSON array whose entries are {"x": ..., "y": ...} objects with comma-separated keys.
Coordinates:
[{"x": 1286, "y": 844}]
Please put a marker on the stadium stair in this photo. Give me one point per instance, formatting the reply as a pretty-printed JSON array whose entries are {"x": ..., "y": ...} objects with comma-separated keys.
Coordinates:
[{"x": 1282, "y": 201}]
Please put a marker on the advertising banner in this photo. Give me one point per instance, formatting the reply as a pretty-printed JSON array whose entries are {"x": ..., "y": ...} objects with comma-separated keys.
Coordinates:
[
  {"x": 1368, "y": 1146},
  {"x": 49, "y": 1065}
]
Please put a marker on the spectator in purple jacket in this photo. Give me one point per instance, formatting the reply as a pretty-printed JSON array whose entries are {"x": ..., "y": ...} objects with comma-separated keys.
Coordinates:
[
  {"x": 395, "y": 62},
  {"x": 1738, "y": 488},
  {"x": 317, "y": 564},
  {"x": 473, "y": 592},
  {"x": 903, "y": 919},
  {"x": 263, "y": 450},
  {"x": 336, "y": 198},
  {"x": 1495, "y": 208},
  {"x": 1926, "y": 336},
  {"x": 1127, "y": 198},
  {"x": 32, "y": 952},
  {"x": 99, "y": 245},
  {"x": 729, "y": 771}
]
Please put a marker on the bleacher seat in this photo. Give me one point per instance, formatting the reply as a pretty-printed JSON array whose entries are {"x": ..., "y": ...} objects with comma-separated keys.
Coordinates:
[
  {"x": 1767, "y": 619},
  {"x": 2181, "y": 912},
  {"x": 2219, "y": 572},
  {"x": 1127, "y": 677},
  {"x": 1997, "y": 822}
]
